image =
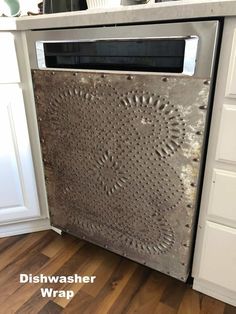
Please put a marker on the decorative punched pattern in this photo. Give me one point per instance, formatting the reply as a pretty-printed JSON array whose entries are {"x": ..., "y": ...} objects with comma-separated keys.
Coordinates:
[
  {"x": 108, "y": 173},
  {"x": 155, "y": 121},
  {"x": 121, "y": 160}
]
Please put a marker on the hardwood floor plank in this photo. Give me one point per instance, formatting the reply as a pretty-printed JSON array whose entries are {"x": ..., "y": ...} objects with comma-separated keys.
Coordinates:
[
  {"x": 86, "y": 269},
  {"x": 191, "y": 303},
  {"x": 174, "y": 293},
  {"x": 23, "y": 261},
  {"x": 103, "y": 301},
  {"x": 110, "y": 292},
  {"x": 210, "y": 305},
  {"x": 50, "y": 308},
  {"x": 33, "y": 265},
  {"x": 16, "y": 300},
  {"x": 55, "y": 246},
  {"x": 103, "y": 273},
  {"x": 138, "y": 278},
  {"x": 79, "y": 304},
  {"x": 148, "y": 297},
  {"x": 229, "y": 309},
  {"x": 20, "y": 247},
  {"x": 9, "y": 241},
  {"x": 79, "y": 260},
  {"x": 164, "y": 309}
]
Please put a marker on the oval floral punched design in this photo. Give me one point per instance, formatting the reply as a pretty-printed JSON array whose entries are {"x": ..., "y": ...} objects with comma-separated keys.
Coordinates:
[
  {"x": 155, "y": 122},
  {"x": 143, "y": 237}
]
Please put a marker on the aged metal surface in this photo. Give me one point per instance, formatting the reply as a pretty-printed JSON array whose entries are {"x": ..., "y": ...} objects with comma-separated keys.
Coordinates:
[{"x": 121, "y": 156}]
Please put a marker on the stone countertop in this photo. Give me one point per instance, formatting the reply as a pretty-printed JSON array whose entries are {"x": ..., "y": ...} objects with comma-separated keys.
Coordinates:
[{"x": 165, "y": 11}]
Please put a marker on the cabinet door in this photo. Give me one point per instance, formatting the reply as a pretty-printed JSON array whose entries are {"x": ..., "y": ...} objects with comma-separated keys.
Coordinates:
[
  {"x": 18, "y": 193},
  {"x": 219, "y": 256},
  {"x": 9, "y": 72}
]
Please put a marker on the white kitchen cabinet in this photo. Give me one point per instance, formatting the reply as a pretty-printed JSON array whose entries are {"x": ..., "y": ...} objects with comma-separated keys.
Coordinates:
[
  {"x": 23, "y": 207},
  {"x": 214, "y": 265},
  {"x": 18, "y": 193}
]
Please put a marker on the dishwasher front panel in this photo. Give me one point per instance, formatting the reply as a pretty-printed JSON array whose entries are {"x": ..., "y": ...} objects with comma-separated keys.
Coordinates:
[{"x": 122, "y": 160}]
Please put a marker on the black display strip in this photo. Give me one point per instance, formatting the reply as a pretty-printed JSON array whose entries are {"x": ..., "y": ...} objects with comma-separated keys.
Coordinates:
[{"x": 152, "y": 55}]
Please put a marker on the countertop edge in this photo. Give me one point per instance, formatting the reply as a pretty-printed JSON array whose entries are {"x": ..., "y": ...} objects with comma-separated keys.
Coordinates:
[{"x": 165, "y": 11}]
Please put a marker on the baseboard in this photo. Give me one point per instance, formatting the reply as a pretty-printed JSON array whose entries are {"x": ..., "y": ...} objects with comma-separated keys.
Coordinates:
[
  {"x": 56, "y": 230},
  {"x": 215, "y": 291},
  {"x": 24, "y": 227}
]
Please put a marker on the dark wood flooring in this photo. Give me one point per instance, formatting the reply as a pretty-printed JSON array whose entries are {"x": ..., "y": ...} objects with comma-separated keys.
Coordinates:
[{"x": 122, "y": 286}]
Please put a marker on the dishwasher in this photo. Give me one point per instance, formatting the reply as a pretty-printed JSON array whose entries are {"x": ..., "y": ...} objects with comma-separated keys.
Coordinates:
[{"x": 123, "y": 113}]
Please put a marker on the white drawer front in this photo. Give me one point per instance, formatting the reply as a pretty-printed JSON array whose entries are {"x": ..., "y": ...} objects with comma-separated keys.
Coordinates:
[
  {"x": 9, "y": 72},
  {"x": 222, "y": 204},
  {"x": 231, "y": 86},
  {"x": 218, "y": 262},
  {"x": 226, "y": 148}
]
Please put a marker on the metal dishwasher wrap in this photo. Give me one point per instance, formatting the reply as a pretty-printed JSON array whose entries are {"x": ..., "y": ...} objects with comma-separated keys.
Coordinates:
[{"x": 121, "y": 156}]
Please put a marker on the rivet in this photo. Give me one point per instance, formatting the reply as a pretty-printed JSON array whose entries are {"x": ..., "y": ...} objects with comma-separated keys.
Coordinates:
[
  {"x": 103, "y": 75},
  {"x": 189, "y": 206},
  {"x": 44, "y": 159},
  {"x": 130, "y": 77},
  {"x": 39, "y": 118},
  {"x": 42, "y": 140},
  {"x": 53, "y": 73},
  {"x": 196, "y": 159},
  {"x": 75, "y": 74},
  {"x": 199, "y": 132},
  {"x": 193, "y": 184},
  {"x": 164, "y": 79},
  {"x": 203, "y": 107},
  {"x": 207, "y": 82},
  {"x": 187, "y": 226}
]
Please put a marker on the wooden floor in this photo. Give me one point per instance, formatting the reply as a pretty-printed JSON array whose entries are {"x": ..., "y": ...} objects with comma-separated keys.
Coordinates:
[{"x": 121, "y": 286}]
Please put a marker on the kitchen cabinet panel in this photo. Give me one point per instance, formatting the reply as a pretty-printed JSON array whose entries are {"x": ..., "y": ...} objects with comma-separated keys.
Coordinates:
[
  {"x": 18, "y": 194},
  {"x": 219, "y": 242},
  {"x": 222, "y": 197},
  {"x": 9, "y": 72},
  {"x": 226, "y": 148}
]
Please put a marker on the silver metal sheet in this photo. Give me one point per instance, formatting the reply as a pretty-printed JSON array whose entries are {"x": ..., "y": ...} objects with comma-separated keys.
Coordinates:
[{"x": 121, "y": 156}]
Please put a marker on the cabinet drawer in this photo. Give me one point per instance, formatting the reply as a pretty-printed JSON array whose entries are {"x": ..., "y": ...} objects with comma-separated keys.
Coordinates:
[
  {"x": 226, "y": 147},
  {"x": 222, "y": 204},
  {"x": 218, "y": 261},
  {"x": 9, "y": 72}
]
